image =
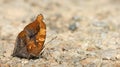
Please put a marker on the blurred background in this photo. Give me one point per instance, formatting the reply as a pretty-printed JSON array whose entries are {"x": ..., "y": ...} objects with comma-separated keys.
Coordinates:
[{"x": 88, "y": 32}]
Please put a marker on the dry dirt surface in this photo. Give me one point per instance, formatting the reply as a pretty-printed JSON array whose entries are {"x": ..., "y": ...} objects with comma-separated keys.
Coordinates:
[{"x": 87, "y": 32}]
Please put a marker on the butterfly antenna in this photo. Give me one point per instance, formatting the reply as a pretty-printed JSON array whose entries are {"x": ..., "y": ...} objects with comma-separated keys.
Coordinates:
[{"x": 47, "y": 44}]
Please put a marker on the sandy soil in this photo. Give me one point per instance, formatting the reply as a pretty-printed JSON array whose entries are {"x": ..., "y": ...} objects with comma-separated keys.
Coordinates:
[{"x": 88, "y": 32}]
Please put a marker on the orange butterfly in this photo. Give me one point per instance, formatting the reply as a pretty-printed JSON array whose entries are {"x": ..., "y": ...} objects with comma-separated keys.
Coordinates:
[{"x": 30, "y": 41}]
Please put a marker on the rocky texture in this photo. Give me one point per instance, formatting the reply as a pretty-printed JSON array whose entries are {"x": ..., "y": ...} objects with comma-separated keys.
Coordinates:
[{"x": 88, "y": 32}]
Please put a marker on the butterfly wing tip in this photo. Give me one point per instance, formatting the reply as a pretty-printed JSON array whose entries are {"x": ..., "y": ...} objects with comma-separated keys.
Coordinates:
[{"x": 40, "y": 16}]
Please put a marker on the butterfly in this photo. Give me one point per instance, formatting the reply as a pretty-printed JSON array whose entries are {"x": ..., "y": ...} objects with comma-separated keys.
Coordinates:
[{"x": 30, "y": 41}]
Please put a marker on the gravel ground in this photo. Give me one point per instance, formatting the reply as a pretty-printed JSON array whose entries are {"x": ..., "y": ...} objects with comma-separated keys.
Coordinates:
[{"x": 88, "y": 32}]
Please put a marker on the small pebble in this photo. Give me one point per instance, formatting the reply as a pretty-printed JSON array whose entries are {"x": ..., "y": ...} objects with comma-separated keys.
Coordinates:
[{"x": 72, "y": 27}]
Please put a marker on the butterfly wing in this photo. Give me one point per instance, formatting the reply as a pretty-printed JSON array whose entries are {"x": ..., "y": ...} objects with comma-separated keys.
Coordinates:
[
  {"x": 20, "y": 45},
  {"x": 30, "y": 41}
]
